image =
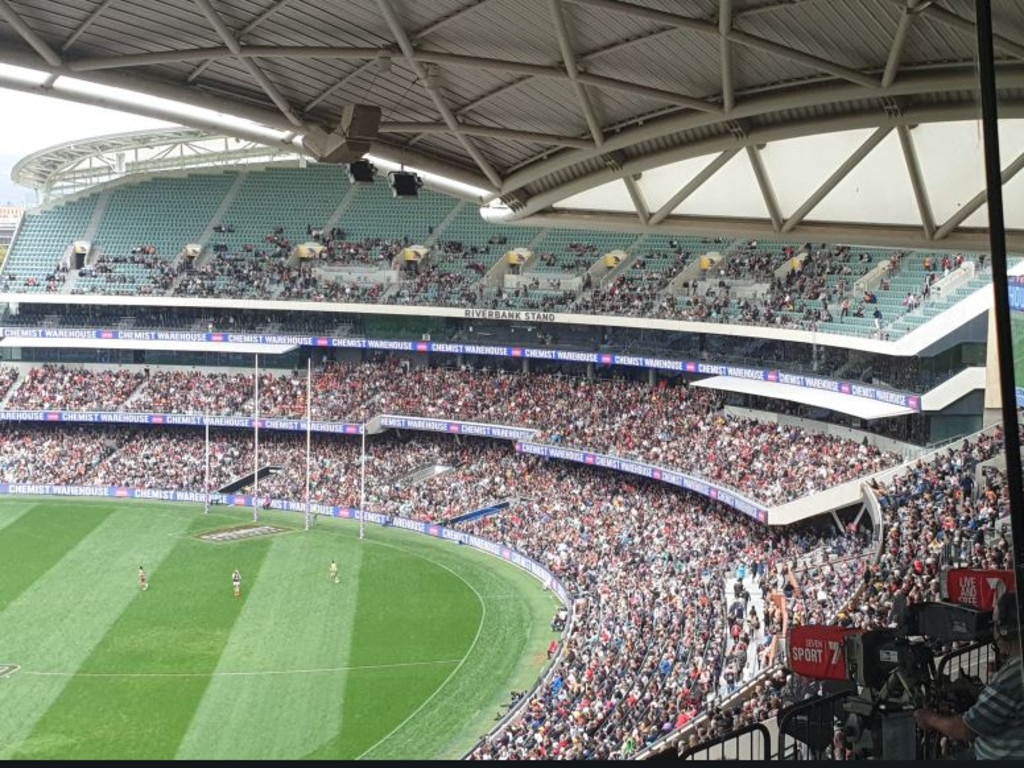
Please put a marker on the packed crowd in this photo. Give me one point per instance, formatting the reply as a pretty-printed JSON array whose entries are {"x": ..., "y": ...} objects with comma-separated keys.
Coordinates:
[
  {"x": 910, "y": 374},
  {"x": 939, "y": 515},
  {"x": 676, "y": 427},
  {"x": 648, "y": 646},
  {"x": 659, "y": 638}
]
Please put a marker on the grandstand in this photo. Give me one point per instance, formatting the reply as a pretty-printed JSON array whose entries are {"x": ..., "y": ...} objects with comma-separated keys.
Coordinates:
[{"x": 702, "y": 399}]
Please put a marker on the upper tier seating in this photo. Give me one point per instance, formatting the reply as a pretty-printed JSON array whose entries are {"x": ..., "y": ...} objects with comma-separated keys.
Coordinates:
[{"x": 249, "y": 221}]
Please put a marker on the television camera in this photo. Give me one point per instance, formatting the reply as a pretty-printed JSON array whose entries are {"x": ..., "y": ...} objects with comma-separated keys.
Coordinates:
[{"x": 885, "y": 674}]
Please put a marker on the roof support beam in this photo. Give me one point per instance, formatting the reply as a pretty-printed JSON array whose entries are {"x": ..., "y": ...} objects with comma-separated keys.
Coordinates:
[
  {"x": 365, "y": 67},
  {"x": 751, "y": 41},
  {"x": 97, "y": 12},
  {"x": 887, "y": 235},
  {"x": 446, "y": 114},
  {"x": 423, "y": 56},
  {"x": 924, "y": 206},
  {"x": 572, "y": 69},
  {"x": 815, "y": 62},
  {"x": 280, "y": 5},
  {"x": 639, "y": 201},
  {"x": 765, "y": 183},
  {"x": 559, "y": 73},
  {"x": 486, "y": 130},
  {"x": 840, "y": 173},
  {"x": 226, "y": 52},
  {"x": 337, "y": 85},
  {"x": 977, "y": 201},
  {"x": 267, "y": 118},
  {"x": 763, "y": 135},
  {"x": 258, "y": 74},
  {"x": 827, "y": 94},
  {"x": 725, "y": 55},
  {"x": 600, "y": 82},
  {"x": 693, "y": 185},
  {"x": 950, "y": 19},
  {"x": 892, "y": 64},
  {"x": 146, "y": 110},
  {"x": 39, "y": 45},
  {"x": 652, "y": 93}
]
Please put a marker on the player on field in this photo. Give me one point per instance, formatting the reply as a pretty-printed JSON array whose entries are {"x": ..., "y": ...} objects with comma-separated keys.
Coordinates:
[
  {"x": 236, "y": 582},
  {"x": 143, "y": 579},
  {"x": 334, "y": 572}
]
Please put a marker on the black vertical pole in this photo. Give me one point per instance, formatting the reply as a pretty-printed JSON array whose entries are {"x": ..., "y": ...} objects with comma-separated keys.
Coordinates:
[{"x": 1001, "y": 284}]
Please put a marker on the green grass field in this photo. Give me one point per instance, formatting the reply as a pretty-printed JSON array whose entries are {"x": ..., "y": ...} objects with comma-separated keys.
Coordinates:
[
  {"x": 410, "y": 656},
  {"x": 1017, "y": 334}
]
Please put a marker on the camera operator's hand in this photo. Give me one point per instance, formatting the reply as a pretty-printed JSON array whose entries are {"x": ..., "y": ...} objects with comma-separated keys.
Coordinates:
[{"x": 952, "y": 726}]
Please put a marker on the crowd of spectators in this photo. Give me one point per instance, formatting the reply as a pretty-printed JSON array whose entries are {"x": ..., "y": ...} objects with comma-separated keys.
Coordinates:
[
  {"x": 908, "y": 374},
  {"x": 816, "y": 294},
  {"x": 673, "y": 426},
  {"x": 648, "y": 646},
  {"x": 660, "y": 635}
]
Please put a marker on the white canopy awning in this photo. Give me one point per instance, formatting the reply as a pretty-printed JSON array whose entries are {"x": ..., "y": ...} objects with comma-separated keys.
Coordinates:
[
  {"x": 861, "y": 407},
  {"x": 152, "y": 344}
]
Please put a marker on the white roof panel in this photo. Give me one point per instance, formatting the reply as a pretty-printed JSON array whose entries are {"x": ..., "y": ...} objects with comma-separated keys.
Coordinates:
[{"x": 861, "y": 407}]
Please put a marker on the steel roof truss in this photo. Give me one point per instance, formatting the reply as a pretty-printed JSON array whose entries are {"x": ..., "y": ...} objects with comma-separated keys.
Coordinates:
[
  {"x": 840, "y": 173},
  {"x": 693, "y": 185},
  {"x": 253, "y": 68},
  {"x": 924, "y": 205},
  {"x": 892, "y": 64},
  {"x": 572, "y": 69},
  {"x": 403, "y": 42},
  {"x": 97, "y": 12},
  {"x": 771, "y": 202},
  {"x": 725, "y": 55},
  {"x": 280, "y": 5},
  {"x": 39, "y": 45},
  {"x": 743, "y": 38},
  {"x": 639, "y": 201},
  {"x": 937, "y": 13},
  {"x": 977, "y": 201}
]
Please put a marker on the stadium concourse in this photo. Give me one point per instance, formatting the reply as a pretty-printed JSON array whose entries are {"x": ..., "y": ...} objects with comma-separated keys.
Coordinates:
[{"x": 658, "y": 645}]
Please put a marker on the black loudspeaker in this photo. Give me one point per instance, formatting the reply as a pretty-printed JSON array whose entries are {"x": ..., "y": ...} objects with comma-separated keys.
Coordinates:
[
  {"x": 404, "y": 184},
  {"x": 361, "y": 172}
]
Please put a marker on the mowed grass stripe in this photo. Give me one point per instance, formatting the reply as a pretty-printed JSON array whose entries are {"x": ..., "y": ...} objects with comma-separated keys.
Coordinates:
[
  {"x": 277, "y": 691},
  {"x": 1017, "y": 338},
  {"x": 137, "y": 691},
  {"x": 507, "y": 654},
  {"x": 33, "y": 544},
  {"x": 54, "y": 625},
  {"x": 11, "y": 510},
  {"x": 402, "y": 655},
  {"x": 154, "y": 679}
]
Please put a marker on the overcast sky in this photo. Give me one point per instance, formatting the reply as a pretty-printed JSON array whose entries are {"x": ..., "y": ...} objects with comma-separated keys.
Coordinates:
[
  {"x": 29, "y": 123},
  {"x": 32, "y": 122}
]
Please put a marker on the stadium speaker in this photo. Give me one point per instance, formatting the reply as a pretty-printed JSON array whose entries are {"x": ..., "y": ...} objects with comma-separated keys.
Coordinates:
[
  {"x": 404, "y": 184},
  {"x": 347, "y": 143},
  {"x": 362, "y": 172},
  {"x": 360, "y": 122}
]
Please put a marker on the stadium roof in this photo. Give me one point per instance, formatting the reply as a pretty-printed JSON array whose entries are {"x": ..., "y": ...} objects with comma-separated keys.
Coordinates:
[{"x": 848, "y": 120}]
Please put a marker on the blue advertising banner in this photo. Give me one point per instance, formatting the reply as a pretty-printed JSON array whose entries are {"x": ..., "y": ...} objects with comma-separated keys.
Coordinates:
[
  {"x": 457, "y": 427},
  {"x": 179, "y": 420},
  {"x": 840, "y": 387}
]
